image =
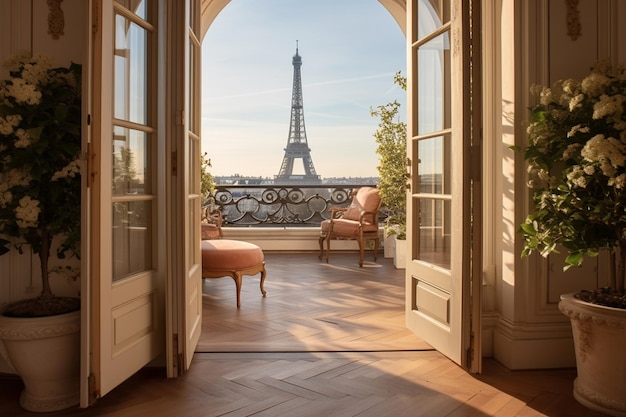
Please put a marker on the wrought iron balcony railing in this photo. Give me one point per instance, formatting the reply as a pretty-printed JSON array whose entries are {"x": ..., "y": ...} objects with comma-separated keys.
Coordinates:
[{"x": 284, "y": 205}]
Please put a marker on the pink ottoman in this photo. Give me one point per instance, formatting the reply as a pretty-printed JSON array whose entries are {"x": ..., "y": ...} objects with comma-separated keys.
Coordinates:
[{"x": 233, "y": 258}]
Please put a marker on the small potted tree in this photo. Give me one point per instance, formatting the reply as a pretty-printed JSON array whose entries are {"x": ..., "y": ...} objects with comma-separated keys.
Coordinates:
[
  {"x": 40, "y": 144},
  {"x": 392, "y": 176},
  {"x": 577, "y": 169}
]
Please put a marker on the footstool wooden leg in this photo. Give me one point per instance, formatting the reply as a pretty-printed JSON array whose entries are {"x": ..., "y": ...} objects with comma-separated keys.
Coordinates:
[
  {"x": 238, "y": 279},
  {"x": 263, "y": 273}
]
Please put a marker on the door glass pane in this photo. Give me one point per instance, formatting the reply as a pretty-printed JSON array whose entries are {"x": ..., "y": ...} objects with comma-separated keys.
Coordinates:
[
  {"x": 433, "y": 84},
  {"x": 131, "y": 71},
  {"x": 194, "y": 88},
  {"x": 134, "y": 208},
  {"x": 131, "y": 171},
  {"x": 132, "y": 237},
  {"x": 434, "y": 231},
  {"x": 431, "y": 14},
  {"x": 433, "y": 169},
  {"x": 194, "y": 166},
  {"x": 194, "y": 233}
]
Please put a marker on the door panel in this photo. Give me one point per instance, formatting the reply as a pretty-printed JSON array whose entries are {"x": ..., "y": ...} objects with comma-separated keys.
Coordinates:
[
  {"x": 128, "y": 297},
  {"x": 192, "y": 174},
  {"x": 185, "y": 303},
  {"x": 438, "y": 274}
]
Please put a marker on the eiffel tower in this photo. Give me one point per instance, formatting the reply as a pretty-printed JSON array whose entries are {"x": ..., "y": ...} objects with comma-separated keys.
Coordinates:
[{"x": 297, "y": 146}]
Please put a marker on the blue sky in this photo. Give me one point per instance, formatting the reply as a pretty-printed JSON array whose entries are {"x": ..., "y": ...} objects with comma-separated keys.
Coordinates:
[{"x": 350, "y": 51}]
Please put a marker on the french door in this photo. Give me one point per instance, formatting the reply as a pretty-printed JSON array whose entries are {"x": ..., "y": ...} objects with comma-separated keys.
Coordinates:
[
  {"x": 128, "y": 266},
  {"x": 184, "y": 316},
  {"x": 443, "y": 223}
]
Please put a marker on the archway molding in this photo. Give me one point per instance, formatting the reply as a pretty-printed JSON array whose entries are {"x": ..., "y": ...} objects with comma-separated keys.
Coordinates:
[{"x": 211, "y": 8}]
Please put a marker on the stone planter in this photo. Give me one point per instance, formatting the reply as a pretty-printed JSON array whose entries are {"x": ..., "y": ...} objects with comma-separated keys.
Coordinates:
[
  {"x": 599, "y": 339},
  {"x": 45, "y": 352}
]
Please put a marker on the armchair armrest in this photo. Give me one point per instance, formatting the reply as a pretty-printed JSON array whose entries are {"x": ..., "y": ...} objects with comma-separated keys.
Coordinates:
[
  {"x": 211, "y": 224},
  {"x": 337, "y": 212},
  {"x": 372, "y": 214}
]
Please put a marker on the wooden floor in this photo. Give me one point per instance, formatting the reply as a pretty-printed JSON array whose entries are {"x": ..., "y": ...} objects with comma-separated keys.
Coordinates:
[
  {"x": 310, "y": 306},
  {"x": 328, "y": 340}
]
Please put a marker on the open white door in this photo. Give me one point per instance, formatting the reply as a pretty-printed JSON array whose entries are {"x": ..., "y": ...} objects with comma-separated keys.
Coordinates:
[
  {"x": 441, "y": 226},
  {"x": 127, "y": 263},
  {"x": 185, "y": 300}
]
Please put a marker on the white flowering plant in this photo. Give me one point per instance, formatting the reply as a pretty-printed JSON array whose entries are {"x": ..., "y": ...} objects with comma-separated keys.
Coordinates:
[
  {"x": 40, "y": 144},
  {"x": 577, "y": 169}
]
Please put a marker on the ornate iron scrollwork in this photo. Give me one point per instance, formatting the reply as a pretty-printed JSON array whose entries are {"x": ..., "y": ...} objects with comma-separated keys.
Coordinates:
[{"x": 262, "y": 205}]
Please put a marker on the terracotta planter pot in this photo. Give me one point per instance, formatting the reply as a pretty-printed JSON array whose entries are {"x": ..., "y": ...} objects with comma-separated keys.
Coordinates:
[
  {"x": 45, "y": 352},
  {"x": 599, "y": 340}
]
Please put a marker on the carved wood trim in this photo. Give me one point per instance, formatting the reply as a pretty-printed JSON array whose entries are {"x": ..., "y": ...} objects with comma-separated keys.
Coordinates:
[
  {"x": 56, "y": 20},
  {"x": 574, "y": 27}
]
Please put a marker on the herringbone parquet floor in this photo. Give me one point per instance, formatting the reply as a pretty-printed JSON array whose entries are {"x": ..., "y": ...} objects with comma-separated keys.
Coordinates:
[
  {"x": 329, "y": 340},
  {"x": 310, "y": 306}
]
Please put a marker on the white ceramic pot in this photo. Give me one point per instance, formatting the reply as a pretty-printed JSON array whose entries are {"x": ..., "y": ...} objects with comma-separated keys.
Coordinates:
[
  {"x": 599, "y": 340},
  {"x": 389, "y": 245},
  {"x": 399, "y": 259},
  {"x": 45, "y": 352}
]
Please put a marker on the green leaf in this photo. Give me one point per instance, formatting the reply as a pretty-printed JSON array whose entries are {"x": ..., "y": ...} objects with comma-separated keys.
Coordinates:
[
  {"x": 574, "y": 259},
  {"x": 528, "y": 229}
]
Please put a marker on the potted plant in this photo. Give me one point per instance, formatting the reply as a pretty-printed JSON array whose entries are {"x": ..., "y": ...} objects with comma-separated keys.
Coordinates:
[
  {"x": 40, "y": 144},
  {"x": 392, "y": 176},
  {"x": 577, "y": 168}
]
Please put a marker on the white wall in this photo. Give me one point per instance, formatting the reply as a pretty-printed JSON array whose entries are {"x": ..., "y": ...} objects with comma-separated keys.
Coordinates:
[{"x": 526, "y": 328}]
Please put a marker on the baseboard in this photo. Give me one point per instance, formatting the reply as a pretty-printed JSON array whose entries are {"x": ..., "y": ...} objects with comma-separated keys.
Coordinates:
[
  {"x": 533, "y": 346},
  {"x": 287, "y": 238}
]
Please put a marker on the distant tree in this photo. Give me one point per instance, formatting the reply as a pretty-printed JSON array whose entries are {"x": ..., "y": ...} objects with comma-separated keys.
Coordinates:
[
  {"x": 125, "y": 179},
  {"x": 392, "y": 175}
]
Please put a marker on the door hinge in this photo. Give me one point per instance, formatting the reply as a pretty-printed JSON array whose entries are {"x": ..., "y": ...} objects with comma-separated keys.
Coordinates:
[
  {"x": 89, "y": 158},
  {"x": 175, "y": 352},
  {"x": 96, "y": 18},
  {"x": 470, "y": 351},
  {"x": 177, "y": 356},
  {"x": 93, "y": 392},
  {"x": 174, "y": 163},
  {"x": 181, "y": 365}
]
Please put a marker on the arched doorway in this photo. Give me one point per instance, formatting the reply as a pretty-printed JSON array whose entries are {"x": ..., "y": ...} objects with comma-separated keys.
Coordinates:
[
  {"x": 211, "y": 8},
  {"x": 216, "y": 141}
]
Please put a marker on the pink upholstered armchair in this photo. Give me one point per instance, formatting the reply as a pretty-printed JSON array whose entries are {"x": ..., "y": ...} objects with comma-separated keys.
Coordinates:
[
  {"x": 358, "y": 222},
  {"x": 211, "y": 224}
]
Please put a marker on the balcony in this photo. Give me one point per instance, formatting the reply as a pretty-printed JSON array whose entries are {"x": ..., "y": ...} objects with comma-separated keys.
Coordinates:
[{"x": 281, "y": 217}]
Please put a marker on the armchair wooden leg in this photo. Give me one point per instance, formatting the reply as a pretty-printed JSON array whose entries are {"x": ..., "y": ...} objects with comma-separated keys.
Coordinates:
[
  {"x": 376, "y": 244},
  {"x": 327, "y": 247},
  {"x": 322, "y": 238},
  {"x": 361, "y": 252}
]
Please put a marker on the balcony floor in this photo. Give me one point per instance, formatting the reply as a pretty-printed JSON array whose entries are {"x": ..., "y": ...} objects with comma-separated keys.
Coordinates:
[{"x": 310, "y": 306}]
